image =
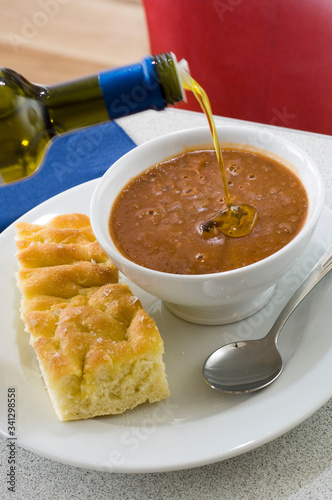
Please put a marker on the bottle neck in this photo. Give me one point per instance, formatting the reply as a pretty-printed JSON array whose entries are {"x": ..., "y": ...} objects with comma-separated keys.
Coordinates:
[{"x": 151, "y": 84}]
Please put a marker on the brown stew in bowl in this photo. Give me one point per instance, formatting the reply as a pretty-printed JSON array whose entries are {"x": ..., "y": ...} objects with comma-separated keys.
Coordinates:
[{"x": 155, "y": 220}]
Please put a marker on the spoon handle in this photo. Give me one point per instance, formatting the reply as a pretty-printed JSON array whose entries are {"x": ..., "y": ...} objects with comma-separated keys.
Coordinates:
[{"x": 323, "y": 266}]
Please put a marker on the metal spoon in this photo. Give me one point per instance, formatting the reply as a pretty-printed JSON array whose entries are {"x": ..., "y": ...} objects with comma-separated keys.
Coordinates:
[{"x": 246, "y": 366}]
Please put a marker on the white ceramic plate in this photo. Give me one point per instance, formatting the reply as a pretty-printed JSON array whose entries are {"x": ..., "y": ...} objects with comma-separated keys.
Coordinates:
[{"x": 196, "y": 425}]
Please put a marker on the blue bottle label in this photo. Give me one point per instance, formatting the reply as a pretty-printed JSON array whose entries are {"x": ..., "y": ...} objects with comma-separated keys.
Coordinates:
[{"x": 131, "y": 89}]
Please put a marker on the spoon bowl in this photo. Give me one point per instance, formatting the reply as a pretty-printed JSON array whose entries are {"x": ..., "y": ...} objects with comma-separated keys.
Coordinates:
[
  {"x": 260, "y": 363},
  {"x": 247, "y": 366}
]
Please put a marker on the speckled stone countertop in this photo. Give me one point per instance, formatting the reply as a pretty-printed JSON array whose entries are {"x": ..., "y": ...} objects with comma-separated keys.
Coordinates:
[{"x": 297, "y": 465}]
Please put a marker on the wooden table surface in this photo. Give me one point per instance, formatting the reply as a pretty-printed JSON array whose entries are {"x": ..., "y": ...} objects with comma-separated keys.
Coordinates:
[{"x": 49, "y": 41}]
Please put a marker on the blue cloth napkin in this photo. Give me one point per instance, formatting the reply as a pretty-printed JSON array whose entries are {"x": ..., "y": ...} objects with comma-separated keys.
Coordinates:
[{"x": 71, "y": 160}]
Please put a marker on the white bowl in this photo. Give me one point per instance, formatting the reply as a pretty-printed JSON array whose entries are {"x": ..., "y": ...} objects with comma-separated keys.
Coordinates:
[{"x": 216, "y": 298}]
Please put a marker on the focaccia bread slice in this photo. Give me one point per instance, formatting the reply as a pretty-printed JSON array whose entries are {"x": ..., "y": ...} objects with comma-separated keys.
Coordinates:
[{"x": 98, "y": 350}]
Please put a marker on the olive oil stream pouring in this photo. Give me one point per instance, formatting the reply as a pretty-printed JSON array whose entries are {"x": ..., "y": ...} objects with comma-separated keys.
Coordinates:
[
  {"x": 236, "y": 220},
  {"x": 31, "y": 115}
]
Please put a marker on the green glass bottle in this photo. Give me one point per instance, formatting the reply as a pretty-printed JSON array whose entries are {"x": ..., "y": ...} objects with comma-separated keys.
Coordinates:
[{"x": 31, "y": 115}]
